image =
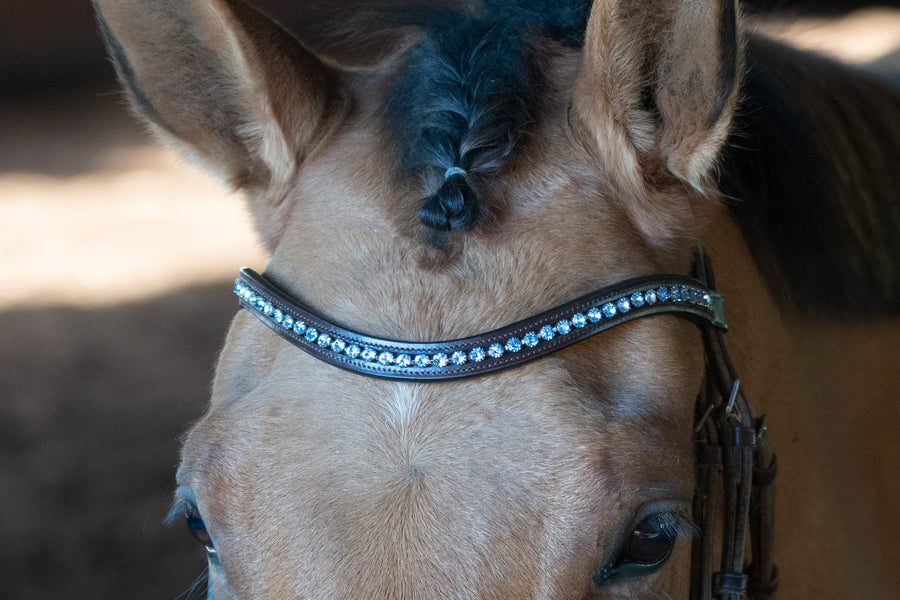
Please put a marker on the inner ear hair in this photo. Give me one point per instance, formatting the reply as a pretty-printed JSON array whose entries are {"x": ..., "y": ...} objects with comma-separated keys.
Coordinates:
[{"x": 655, "y": 97}]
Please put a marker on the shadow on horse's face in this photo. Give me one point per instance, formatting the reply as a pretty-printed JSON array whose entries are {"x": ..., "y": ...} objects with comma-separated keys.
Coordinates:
[{"x": 566, "y": 478}]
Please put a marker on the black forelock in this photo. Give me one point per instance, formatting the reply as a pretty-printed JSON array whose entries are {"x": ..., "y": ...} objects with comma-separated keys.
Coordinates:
[{"x": 466, "y": 95}]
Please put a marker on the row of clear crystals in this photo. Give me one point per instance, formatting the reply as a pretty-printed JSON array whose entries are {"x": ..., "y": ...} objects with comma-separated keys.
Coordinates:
[{"x": 265, "y": 309}]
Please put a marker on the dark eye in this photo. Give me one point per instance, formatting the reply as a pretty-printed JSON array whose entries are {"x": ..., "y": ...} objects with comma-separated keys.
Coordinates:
[
  {"x": 650, "y": 543},
  {"x": 197, "y": 527},
  {"x": 647, "y": 548}
]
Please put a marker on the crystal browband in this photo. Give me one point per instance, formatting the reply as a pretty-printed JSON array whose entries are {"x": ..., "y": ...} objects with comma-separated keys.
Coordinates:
[{"x": 499, "y": 349}]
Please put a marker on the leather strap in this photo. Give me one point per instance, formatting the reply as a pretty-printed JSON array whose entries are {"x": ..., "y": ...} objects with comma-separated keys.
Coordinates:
[
  {"x": 742, "y": 483},
  {"x": 502, "y": 348}
]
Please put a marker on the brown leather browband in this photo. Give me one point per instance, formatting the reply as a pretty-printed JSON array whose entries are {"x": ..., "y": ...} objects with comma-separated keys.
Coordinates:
[{"x": 502, "y": 348}]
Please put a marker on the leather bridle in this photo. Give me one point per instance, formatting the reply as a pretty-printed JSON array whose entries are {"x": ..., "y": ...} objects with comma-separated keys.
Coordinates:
[
  {"x": 735, "y": 467},
  {"x": 735, "y": 479}
]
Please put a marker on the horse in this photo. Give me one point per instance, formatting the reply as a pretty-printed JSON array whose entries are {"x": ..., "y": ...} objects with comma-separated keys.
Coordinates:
[{"x": 486, "y": 357}]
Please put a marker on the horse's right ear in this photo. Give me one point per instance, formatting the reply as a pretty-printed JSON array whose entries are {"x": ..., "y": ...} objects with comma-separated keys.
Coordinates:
[{"x": 221, "y": 83}]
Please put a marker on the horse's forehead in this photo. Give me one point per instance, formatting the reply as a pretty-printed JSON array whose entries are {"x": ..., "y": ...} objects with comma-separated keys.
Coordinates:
[
  {"x": 355, "y": 251},
  {"x": 607, "y": 413}
]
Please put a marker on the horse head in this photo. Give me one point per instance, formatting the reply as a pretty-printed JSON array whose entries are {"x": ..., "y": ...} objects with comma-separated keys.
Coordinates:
[{"x": 496, "y": 162}]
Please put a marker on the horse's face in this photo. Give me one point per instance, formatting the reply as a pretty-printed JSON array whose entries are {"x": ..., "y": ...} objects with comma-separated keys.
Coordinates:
[
  {"x": 566, "y": 478},
  {"x": 317, "y": 483}
]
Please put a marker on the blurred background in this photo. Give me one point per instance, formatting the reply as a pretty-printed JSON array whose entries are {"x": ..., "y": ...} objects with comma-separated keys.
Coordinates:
[{"x": 115, "y": 268}]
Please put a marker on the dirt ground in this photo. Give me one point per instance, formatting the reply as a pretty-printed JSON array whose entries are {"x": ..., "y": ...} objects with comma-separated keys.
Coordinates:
[
  {"x": 94, "y": 401},
  {"x": 116, "y": 263}
]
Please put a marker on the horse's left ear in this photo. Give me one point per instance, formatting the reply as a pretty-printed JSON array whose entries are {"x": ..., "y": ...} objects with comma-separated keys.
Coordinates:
[{"x": 656, "y": 93}]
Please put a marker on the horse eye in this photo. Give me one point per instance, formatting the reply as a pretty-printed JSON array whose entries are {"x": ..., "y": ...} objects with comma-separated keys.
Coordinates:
[
  {"x": 650, "y": 543},
  {"x": 647, "y": 548},
  {"x": 197, "y": 527}
]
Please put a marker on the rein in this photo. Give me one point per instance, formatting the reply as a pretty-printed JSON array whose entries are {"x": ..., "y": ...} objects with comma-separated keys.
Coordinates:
[{"x": 735, "y": 465}]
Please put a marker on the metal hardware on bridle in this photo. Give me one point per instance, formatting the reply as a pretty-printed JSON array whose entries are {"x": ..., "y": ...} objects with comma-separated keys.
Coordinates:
[
  {"x": 731, "y": 443},
  {"x": 735, "y": 468}
]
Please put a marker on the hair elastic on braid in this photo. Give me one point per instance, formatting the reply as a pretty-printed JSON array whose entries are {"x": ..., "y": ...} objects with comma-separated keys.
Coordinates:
[{"x": 454, "y": 171}]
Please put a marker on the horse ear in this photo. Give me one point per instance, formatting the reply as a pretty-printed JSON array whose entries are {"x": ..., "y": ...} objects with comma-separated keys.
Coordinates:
[
  {"x": 656, "y": 92},
  {"x": 221, "y": 83}
]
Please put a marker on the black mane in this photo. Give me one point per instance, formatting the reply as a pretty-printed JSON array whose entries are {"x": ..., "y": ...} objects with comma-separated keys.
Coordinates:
[
  {"x": 467, "y": 94},
  {"x": 811, "y": 174}
]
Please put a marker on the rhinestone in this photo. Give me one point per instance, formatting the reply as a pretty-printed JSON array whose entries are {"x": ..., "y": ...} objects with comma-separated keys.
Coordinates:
[
  {"x": 477, "y": 354},
  {"x": 353, "y": 351},
  {"x": 637, "y": 299},
  {"x": 299, "y": 327},
  {"x": 386, "y": 358},
  {"x": 246, "y": 294},
  {"x": 563, "y": 327},
  {"x": 495, "y": 351},
  {"x": 650, "y": 296},
  {"x": 513, "y": 345},
  {"x": 261, "y": 303},
  {"x": 237, "y": 287},
  {"x": 595, "y": 315},
  {"x": 683, "y": 292},
  {"x": 324, "y": 340},
  {"x": 459, "y": 358},
  {"x": 422, "y": 361},
  {"x": 547, "y": 333},
  {"x": 675, "y": 293},
  {"x": 404, "y": 360},
  {"x": 530, "y": 339},
  {"x": 663, "y": 294},
  {"x": 579, "y": 320},
  {"x": 287, "y": 322},
  {"x": 369, "y": 355},
  {"x": 311, "y": 335},
  {"x": 609, "y": 310},
  {"x": 338, "y": 346},
  {"x": 268, "y": 309},
  {"x": 440, "y": 359},
  {"x": 707, "y": 300},
  {"x": 624, "y": 305},
  {"x": 278, "y": 316}
]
